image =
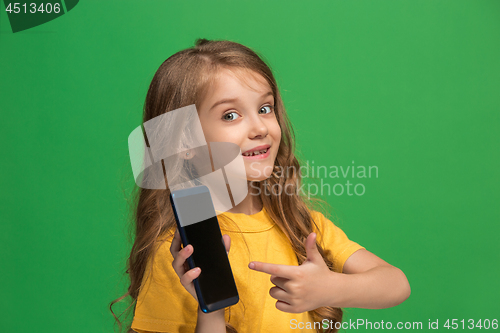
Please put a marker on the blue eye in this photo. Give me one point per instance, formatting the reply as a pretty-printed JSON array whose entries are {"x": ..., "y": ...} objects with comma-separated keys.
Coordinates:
[
  {"x": 227, "y": 114},
  {"x": 270, "y": 108}
]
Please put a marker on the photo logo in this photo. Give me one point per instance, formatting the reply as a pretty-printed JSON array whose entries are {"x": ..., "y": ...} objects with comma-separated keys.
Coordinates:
[
  {"x": 26, "y": 15},
  {"x": 173, "y": 151},
  {"x": 317, "y": 180}
]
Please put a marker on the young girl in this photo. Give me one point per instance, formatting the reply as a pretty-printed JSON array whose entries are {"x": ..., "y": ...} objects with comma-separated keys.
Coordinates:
[{"x": 294, "y": 269}]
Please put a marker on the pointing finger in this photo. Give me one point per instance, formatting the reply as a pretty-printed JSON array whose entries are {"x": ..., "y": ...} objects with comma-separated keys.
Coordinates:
[{"x": 285, "y": 271}]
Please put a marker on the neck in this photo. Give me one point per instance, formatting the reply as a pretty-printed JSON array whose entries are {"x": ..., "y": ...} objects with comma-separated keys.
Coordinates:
[{"x": 252, "y": 204}]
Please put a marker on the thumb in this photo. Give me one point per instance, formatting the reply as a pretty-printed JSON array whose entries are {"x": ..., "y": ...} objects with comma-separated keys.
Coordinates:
[{"x": 312, "y": 252}]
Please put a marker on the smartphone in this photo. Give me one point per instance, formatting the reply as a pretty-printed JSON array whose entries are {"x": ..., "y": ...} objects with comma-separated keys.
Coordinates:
[{"x": 198, "y": 225}]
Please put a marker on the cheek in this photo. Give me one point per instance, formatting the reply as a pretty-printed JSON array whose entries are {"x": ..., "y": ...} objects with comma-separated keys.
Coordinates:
[
  {"x": 212, "y": 132},
  {"x": 276, "y": 133}
]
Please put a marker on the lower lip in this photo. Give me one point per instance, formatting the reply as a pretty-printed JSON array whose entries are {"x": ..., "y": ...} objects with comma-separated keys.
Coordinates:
[{"x": 259, "y": 157}]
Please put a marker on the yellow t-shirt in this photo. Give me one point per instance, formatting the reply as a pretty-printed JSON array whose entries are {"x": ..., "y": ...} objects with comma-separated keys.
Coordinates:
[{"x": 163, "y": 305}]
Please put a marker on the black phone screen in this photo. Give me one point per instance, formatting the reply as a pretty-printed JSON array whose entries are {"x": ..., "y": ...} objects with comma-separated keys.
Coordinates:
[
  {"x": 210, "y": 255},
  {"x": 216, "y": 281}
]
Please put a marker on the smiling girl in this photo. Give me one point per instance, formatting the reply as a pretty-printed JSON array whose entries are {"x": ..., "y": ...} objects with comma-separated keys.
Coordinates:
[{"x": 292, "y": 266}]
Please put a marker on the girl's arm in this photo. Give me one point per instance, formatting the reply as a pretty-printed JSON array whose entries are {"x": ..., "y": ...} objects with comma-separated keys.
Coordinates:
[{"x": 369, "y": 282}]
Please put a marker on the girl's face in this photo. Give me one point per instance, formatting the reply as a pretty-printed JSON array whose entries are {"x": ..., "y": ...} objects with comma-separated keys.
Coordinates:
[{"x": 233, "y": 111}]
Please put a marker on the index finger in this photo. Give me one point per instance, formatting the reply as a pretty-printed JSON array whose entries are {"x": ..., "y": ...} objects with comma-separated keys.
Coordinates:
[{"x": 285, "y": 271}]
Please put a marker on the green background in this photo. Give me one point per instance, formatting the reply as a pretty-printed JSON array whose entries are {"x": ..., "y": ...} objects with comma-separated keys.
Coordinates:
[{"x": 411, "y": 87}]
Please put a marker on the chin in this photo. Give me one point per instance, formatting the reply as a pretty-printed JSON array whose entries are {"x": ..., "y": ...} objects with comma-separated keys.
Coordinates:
[
  {"x": 255, "y": 178},
  {"x": 258, "y": 173}
]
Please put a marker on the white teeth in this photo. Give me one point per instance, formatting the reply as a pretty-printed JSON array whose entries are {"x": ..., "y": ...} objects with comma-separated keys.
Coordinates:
[{"x": 255, "y": 153}]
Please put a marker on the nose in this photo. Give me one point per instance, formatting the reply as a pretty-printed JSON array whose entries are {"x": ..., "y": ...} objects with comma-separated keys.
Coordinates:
[{"x": 258, "y": 128}]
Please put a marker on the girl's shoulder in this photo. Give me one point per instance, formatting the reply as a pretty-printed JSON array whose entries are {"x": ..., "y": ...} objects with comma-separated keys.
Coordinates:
[
  {"x": 326, "y": 229},
  {"x": 319, "y": 218},
  {"x": 333, "y": 239}
]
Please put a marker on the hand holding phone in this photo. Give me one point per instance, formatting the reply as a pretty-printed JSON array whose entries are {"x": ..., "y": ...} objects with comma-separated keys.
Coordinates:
[
  {"x": 198, "y": 226},
  {"x": 180, "y": 264}
]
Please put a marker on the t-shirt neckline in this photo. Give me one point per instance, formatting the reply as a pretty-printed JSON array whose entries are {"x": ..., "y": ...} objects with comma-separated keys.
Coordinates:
[{"x": 257, "y": 222}]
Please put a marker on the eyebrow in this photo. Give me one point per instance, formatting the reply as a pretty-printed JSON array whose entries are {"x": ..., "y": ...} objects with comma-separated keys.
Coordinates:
[{"x": 231, "y": 100}]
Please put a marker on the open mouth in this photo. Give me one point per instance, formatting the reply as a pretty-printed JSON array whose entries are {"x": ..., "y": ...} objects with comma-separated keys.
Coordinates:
[{"x": 262, "y": 153}]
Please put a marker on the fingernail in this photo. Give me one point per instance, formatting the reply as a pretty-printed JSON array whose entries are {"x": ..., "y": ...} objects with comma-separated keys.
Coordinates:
[
  {"x": 197, "y": 269},
  {"x": 251, "y": 265}
]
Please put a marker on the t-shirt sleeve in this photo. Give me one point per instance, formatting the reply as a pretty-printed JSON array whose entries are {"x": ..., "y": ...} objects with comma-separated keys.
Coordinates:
[
  {"x": 163, "y": 304},
  {"x": 332, "y": 238}
]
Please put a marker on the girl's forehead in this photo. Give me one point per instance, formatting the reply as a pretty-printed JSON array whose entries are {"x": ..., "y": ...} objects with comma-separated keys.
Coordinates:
[
  {"x": 221, "y": 86},
  {"x": 246, "y": 77}
]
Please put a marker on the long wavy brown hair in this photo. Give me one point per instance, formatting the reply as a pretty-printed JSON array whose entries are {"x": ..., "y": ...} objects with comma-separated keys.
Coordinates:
[{"x": 183, "y": 79}]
